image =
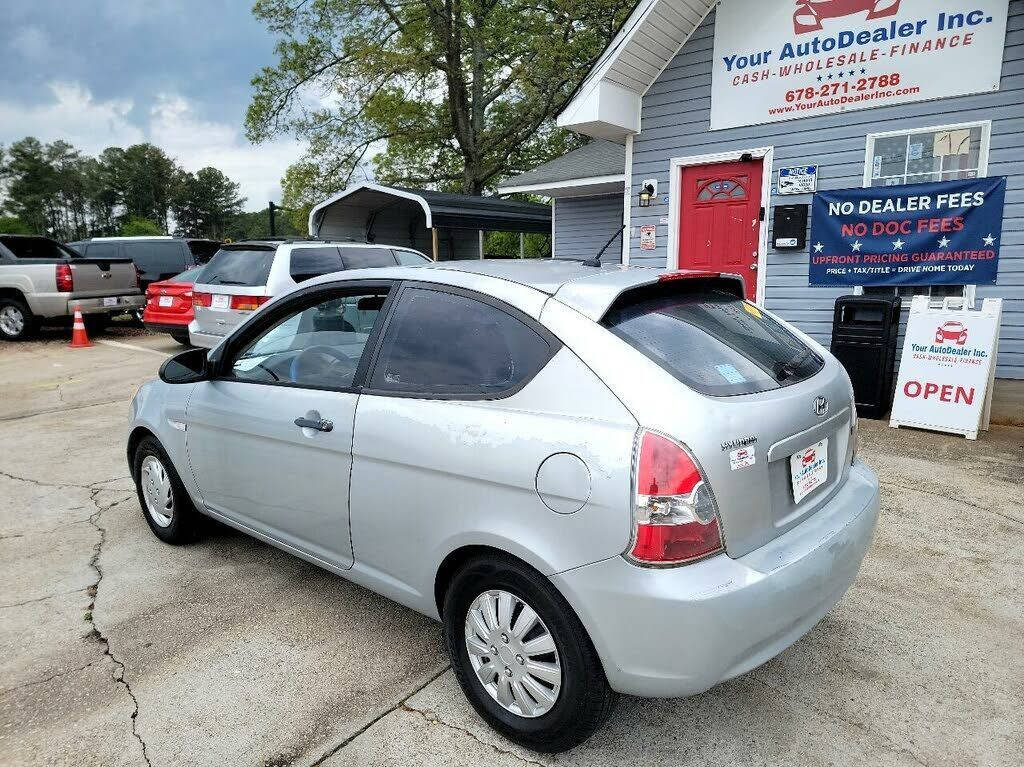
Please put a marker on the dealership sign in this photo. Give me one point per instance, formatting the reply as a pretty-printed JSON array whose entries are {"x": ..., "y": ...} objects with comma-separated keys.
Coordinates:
[
  {"x": 947, "y": 368},
  {"x": 774, "y": 61},
  {"x": 943, "y": 233}
]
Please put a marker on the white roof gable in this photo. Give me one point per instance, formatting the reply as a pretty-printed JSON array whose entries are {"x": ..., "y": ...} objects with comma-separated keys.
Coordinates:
[{"x": 607, "y": 104}]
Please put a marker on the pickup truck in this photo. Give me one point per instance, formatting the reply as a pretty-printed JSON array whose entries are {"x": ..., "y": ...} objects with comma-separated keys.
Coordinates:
[{"x": 42, "y": 281}]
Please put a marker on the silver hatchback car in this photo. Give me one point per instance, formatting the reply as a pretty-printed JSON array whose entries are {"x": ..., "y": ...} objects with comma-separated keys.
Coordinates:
[{"x": 601, "y": 480}]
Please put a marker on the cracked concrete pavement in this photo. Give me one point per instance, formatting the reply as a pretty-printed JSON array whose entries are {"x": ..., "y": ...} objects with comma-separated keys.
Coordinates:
[{"x": 120, "y": 650}]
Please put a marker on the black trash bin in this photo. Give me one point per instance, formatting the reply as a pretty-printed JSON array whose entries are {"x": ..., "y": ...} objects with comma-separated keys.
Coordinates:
[{"x": 864, "y": 330}]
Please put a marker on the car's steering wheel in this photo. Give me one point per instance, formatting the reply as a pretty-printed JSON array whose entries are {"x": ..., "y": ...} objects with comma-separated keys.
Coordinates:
[{"x": 320, "y": 361}]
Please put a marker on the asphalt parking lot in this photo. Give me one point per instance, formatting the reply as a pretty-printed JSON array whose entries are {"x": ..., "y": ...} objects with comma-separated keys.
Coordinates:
[{"x": 120, "y": 650}]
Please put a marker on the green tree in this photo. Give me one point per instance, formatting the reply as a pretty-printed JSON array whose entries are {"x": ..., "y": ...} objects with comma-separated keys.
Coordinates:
[
  {"x": 205, "y": 203},
  {"x": 136, "y": 226},
  {"x": 448, "y": 93},
  {"x": 13, "y": 225},
  {"x": 31, "y": 184},
  {"x": 142, "y": 178},
  {"x": 256, "y": 225}
]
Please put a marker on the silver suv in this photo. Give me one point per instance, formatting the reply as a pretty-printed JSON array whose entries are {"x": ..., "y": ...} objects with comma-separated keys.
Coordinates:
[
  {"x": 243, "y": 276},
  {"x": 601, "y": 480}
]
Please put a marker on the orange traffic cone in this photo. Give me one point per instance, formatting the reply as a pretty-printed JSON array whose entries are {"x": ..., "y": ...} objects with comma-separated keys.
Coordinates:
[{"x": 79, "y": 338}]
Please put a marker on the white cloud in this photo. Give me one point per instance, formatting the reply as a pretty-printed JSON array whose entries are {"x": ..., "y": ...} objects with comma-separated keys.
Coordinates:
[{"x": 172, "y": 124}]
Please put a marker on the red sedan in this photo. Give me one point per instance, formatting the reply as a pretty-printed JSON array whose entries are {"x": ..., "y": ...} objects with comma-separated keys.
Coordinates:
[{"x": 169, "y": 305}]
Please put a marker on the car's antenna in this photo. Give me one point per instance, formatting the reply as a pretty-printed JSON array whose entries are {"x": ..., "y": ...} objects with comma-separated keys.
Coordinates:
[{"x": 596, "y": 260}]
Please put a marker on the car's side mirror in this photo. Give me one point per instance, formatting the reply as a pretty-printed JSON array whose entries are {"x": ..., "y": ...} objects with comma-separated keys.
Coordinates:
[{"x": 187, "y": 367}]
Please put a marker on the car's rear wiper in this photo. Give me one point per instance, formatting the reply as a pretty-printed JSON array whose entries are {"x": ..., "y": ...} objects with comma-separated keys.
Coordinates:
[{"x": 225, "y": 282}]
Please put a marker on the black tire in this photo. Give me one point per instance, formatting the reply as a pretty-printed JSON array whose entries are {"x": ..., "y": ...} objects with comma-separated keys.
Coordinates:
[
  {"x": 17, "y": 323},
  {"x": 185, "y": 521},
  {"x": 181, "y": 338},
  {"x": 584, "y": 700}
]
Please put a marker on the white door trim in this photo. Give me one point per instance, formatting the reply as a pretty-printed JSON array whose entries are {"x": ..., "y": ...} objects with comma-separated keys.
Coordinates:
[{"x": 676, "y": 165}]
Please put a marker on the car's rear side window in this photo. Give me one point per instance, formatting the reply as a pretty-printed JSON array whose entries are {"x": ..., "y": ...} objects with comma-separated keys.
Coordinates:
[
  {"x": 307, "y": 263},
  {"x": 367, "y": 258},
  {"x": 409, "y": 258},
  {"x": 439, "y": 343},
  {"x": 249, "y": 267},
  {"x": 712, "y": 341}
]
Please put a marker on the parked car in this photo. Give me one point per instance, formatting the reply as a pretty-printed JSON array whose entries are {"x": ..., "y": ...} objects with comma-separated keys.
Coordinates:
[
  {"x": 169, "y": 305},
  {"x": 243, "y": 276},
  {"x": 593, "y": 477},
  {"x": 42, "y": 281},
  {"x": 158, "y": 258}
]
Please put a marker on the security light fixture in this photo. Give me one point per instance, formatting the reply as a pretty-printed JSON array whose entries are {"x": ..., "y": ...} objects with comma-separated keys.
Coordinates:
[{"x": 647, "y": 191}]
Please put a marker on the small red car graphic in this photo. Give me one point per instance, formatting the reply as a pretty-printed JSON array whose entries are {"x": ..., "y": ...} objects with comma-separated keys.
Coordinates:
[
  {"x": 951, "y": 331},
  {"x": 809, "y": 13},
  {"x": 809, "y": 457}
]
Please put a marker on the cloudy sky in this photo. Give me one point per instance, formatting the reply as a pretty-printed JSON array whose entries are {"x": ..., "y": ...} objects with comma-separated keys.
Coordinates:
[{"x": 101, "y": 73}]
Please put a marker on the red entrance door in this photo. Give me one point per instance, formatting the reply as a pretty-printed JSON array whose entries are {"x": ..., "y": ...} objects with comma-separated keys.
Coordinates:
[{"x": 720, "y": 219}]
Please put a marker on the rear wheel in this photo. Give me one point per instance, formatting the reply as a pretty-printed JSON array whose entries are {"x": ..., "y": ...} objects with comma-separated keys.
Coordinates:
[
  {"x": 181, "y": 338},
  {"x": 17, "y": 323},
  {"x": 522, "y": 656},
  {"x": 164, "y": 500}
]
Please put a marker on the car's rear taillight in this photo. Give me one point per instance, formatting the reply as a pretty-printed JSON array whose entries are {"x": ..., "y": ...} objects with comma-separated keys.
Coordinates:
[
  {"x": 675, "y": 513},
  {"x": 201, "y": 299},
  {"x": 138, "y": 276},
  {"x": 248, "y": 303},
  {"x": 65, "y": 279}
]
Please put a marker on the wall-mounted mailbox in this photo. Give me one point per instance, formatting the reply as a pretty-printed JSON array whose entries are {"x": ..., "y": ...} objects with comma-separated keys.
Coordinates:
[{"x": 789, "y": 226}]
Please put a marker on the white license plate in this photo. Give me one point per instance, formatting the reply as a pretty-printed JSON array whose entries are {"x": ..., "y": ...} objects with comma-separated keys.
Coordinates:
[
  {"x": 220, "y": 302},
  {"x": 110, "y": 301},
  {"x": 166, "y": 300},
  {"x": 809, "y": 469}
]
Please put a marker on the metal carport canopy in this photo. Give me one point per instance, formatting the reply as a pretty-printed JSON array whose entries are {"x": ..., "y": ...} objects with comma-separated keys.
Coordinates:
[{"x": 443, "y": 210}]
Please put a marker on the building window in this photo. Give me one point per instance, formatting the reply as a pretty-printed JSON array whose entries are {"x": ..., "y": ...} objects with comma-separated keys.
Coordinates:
[{"x": 942, "y": 153}]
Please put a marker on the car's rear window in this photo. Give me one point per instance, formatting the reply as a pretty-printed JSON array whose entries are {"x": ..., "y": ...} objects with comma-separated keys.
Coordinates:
[
  {"x": 712, "y": 341},
  {"x": 37, "y": 247},
  {"x": 237, "y": 266}
]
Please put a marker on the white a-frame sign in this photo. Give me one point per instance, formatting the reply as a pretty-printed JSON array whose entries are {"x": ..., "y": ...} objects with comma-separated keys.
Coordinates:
[{"x": 948, "y": 367}]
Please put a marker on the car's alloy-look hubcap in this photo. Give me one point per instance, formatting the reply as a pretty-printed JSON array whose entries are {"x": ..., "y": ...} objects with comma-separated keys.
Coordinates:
[
  {"x": 12, "y": 321},
  {"x": 156, "y": 489},
  {"x": 513, "y": 653}
]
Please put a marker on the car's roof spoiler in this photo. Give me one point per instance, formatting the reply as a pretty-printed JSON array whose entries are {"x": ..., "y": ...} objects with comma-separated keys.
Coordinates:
[{"x": 594, "y": 295}]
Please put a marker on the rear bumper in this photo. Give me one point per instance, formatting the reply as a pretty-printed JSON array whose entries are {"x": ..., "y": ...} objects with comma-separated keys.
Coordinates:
[
  {"x": 678, "y": 631},
  {"x": 205, "y": 340},
  {"x": 96, "y": 305},
  {"x": 174, "y": 329}
]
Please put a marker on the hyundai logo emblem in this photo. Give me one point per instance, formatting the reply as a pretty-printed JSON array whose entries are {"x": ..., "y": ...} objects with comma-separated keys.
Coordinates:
[{"x": 820, "y": 406}]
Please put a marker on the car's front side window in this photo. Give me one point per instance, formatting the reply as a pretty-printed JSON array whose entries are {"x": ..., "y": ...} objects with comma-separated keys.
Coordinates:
[
  {"x": 440, "y": 343},
  {"x": 318, "y": 346}
]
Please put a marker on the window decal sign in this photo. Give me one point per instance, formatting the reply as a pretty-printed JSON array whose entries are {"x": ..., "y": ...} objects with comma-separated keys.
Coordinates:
[
  {"x": 774, "y": 63},
  {"x": 943, "y": 233},
  {"x": 947, "y": 368}
]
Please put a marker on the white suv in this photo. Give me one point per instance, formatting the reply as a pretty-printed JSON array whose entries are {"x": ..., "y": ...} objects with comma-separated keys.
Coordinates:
[{"x": 243, "y": 276}]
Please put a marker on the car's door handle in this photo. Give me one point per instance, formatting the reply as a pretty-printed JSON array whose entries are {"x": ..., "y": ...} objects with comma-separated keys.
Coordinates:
[{"x": 320, "y": 425}]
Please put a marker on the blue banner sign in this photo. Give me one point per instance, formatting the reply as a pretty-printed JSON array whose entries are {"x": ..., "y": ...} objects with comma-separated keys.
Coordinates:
[{"x": 944, "y": 233}]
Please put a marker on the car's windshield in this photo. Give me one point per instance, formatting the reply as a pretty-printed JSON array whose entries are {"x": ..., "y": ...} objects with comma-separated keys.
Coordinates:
[
  {"x": 248, "y": 267},
  {"x": 712, "y": 341}
]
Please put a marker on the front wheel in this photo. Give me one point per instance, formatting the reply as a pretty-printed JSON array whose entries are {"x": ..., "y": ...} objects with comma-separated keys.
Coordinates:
[
  {"x": 164, "y": 500},
  {"x": 522, "y": 656}
]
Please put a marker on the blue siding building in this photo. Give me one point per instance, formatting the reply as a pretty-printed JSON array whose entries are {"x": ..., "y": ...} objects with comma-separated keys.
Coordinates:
[{"x": 652, "y": 93}]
